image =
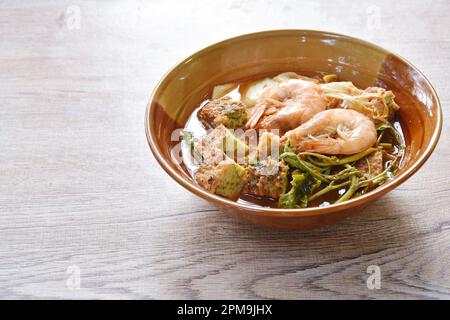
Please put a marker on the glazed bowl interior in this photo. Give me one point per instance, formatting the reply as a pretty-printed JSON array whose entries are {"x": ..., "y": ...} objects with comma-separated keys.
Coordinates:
[{"x": 307, "y": 53}]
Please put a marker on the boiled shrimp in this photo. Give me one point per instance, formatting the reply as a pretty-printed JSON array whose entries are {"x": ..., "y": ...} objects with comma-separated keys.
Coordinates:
[
  {"x": 287, "y": 105},
  {"x": 334, "y": 131}
]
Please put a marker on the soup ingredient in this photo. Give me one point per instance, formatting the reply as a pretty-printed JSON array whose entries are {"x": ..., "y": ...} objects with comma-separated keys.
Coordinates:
[
  {"x": 287, "y": 106},
  {"x": 320, "y": 141},
  {"x": 397, "y": 137},
  {"x": 372, "y": 165},
  {"x": 297, "y": 197},
  {"x": 286, "y": 76},
  {"x": 330, "y": 78},
  {"x": 225, "y": 178},
  {"x": 252, "y": 91},
  {"x": 217, "y": 172},
  {"x": 269, "y": 146},
  {"x": 376, "y": 103},
  {"x": 219, "y": 140},
  {"x": 267, "y": 178},
  {"x": 334, "y": 131},
  {"x": 339, "y": 89},
  {"x": 330, "y": 174},
  {"x": 221, "y": 90},
  {"x": 201, "y": 150},
  {"x": 223, "y": 111}
]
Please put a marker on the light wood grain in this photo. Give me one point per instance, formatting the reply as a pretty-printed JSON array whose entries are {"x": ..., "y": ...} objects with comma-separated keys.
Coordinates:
[{"x": 79, "y": 187}]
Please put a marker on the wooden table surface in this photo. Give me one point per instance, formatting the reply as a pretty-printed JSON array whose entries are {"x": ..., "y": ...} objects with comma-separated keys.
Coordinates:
[{"x": 86, "y": 212}]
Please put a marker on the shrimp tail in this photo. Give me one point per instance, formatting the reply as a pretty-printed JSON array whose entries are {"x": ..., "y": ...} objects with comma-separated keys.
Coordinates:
[
  {"x": 327, "y": 146},
  {"x": 255, "y": 116}
]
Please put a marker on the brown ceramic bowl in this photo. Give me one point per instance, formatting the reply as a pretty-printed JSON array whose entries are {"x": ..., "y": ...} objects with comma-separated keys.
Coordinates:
[{"x": 306, "y": 52}]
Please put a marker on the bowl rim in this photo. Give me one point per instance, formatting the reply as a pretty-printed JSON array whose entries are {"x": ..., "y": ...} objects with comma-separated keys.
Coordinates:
[{"x": 281, "y": 212}]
